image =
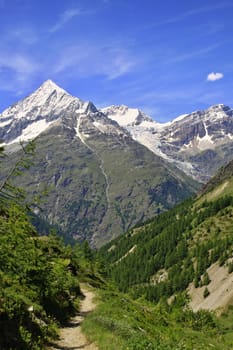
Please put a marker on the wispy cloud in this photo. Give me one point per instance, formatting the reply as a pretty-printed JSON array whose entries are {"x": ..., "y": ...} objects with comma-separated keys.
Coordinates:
[
  {"x": 211, "y": 98},
  {"x": 65, "y": 17},
  {"x": 21, "y": 64},
  {"x": 214, "y": 76},
  {"x": 120, "y": 65},
  {"x": 165, "y": 95},
  {"x": 213, "y": 27},
  {"x": 89, "y": 60},
  {"x": 25, "y": 36},
  {"x": 17, "y": 71},
  {"x": 193, "y": 12},
  {"x": 193, "y": 54}
]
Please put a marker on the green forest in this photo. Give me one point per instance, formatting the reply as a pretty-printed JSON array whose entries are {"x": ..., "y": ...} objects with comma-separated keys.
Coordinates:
[
  {"x": 176, "y": 242},
  {"x": 133, "y": 276}
]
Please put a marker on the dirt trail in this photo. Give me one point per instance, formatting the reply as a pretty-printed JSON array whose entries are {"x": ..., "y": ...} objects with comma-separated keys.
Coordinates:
[{"x": 71, "y": 337}]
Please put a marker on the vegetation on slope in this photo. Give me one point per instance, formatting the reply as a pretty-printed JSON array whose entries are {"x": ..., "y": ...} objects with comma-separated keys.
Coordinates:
[
  {"x": 223, "y": 174},
  {"x": 39, "y": 276},
  {"x": 120, "y": 323},
  {"x": 173, "y": 250},
  {"x": 39, "y": 281},
  {"x": 155, "y": 263},
  {"x": 162, "y": 257}
]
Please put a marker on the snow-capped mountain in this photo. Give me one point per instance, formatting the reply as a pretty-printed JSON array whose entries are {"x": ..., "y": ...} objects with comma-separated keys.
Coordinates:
[
  {"x": 101, "y": 181},
  {"x": 201, "y": 130},
  {"x": 128, "y": 117},
  {"x": 141, "y": 127},
  {"x": 30, "y": 117},
  {"x": 198, "y": 143}
]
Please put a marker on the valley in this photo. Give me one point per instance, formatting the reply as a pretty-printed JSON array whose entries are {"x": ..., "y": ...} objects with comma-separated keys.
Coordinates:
[
  {"x": 152, "y": 242},
  {"x": 116, "y": 175}
]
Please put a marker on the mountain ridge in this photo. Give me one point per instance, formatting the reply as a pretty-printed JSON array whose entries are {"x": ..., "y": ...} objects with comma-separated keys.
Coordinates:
[
  {"x": 191, "y": 141},
  {"x": 81, "y": 155},
  {"x": 182, "y": 141}
]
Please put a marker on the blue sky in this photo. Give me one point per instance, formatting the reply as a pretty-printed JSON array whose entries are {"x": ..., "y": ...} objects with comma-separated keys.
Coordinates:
[{"x": 165, "y": 57}]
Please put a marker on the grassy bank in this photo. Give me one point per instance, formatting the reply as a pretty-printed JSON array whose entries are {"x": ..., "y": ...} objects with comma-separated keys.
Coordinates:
[{"x": 120, "y": 323}]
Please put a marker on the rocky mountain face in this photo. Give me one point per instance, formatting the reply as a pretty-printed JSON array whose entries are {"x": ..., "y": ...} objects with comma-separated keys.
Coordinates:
[
  {"x": 198, "y": 143},
  {"x": 100, "y": 181}
]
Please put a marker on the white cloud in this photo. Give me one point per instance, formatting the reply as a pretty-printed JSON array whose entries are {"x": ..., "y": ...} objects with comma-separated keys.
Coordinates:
[
  {"x": 64, "y": 18},
  {"x": 214, "y": 76}
]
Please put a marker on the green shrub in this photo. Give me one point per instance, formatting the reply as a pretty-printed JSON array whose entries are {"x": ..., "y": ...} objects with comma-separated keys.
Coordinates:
[{"x": 206, "y": 292}]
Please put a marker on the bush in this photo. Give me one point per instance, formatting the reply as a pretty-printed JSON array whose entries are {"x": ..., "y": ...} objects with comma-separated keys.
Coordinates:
[
  {"x": 206, "y": 292},
  {"x": 206, "y": 279},
  {"x": 230, "y": 268}
]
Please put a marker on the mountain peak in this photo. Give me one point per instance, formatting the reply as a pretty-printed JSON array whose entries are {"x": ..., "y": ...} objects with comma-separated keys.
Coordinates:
[
  {"x": 126, "y": 116},
  {"x": 219, "y": 108},
  {"x": 49, "y": 82},
  {"x": 32, "y": 115},
  {"x": 49, "y": 86},
  {"x": 49, "y": 97}
]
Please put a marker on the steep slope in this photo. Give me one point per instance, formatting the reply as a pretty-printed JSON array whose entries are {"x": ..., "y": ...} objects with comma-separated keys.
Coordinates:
[
  {"x": 187, "y": 248},
  {"x": 100, "y": 181},
  {"x": 198, "y": 143},
  {"x": 39, "y": 284},
  {"x": 142, "y": 128},
  {"x": 28, "y": 118},
  {"x": 220, "y": 182}
]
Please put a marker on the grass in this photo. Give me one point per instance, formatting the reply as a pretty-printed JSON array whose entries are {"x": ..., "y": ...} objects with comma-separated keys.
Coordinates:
[{"x": 120, "y": 323}]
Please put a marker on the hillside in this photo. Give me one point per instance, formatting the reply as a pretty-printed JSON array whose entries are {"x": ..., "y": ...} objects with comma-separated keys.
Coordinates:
[
  {"x": 100, "y": 182},
  {"x": 180, "y": 250},
  {"x": 120, "y": 323},
  {"x": 40, "y": 292},
  {"x": 39, "y": 276},
  {"x": 222, "y": 178}
]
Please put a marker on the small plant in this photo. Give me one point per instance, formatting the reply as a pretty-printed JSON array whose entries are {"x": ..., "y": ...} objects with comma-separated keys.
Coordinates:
[
  {"x": 206, "y": 279},
  {"x": 230, "y": 268},
  {"x": 196, "y": 282},
  {"x": 206, "y": 292}
]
